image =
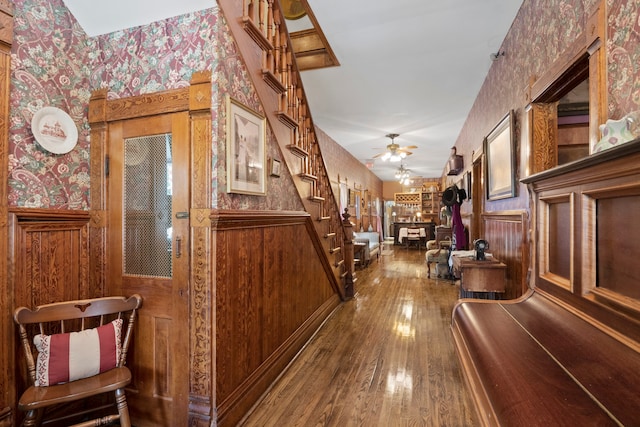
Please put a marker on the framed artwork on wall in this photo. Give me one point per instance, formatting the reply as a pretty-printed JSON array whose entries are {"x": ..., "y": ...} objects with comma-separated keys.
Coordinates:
[
  {"x": 274, "y": 167},
  {"x": 246, "y": 150},
  {"x": 500, "y": 164}
]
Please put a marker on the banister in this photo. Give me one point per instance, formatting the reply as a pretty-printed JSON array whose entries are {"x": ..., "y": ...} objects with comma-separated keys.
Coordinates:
[{"x": 282, "y": 94}]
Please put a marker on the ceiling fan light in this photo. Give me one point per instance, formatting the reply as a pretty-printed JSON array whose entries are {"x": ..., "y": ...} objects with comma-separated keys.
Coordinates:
[
  {"x": 395, "y": 158},
  {"x": 385, "y": 156}
]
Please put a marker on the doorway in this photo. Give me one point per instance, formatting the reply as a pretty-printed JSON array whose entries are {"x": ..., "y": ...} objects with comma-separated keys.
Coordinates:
[
  {"x": 560, "y": 116},
  {"x": 148, "y": 254},
  {"x": 148, "y": 153}
]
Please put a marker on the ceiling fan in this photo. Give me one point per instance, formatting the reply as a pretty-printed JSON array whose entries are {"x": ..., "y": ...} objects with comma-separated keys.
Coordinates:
[{"x": 394, "y": 152}]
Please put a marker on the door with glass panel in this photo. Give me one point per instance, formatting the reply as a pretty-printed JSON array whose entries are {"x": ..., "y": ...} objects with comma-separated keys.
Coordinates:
[{"x": 148, "y": 187}]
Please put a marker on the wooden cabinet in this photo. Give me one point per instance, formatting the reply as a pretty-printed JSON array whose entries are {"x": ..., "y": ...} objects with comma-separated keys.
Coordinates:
[
  {"x": 485, "y": 277},
  {"x": 425, "y": 202},
  {"x": 430, "y": 203}
]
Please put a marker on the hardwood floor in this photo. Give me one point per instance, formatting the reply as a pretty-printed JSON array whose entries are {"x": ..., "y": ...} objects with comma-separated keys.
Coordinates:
[{"x": 385, "y": 358}]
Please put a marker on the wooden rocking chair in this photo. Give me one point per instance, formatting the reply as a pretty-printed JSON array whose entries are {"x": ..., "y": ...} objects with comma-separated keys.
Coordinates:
[{"x": 74, "y": 350}]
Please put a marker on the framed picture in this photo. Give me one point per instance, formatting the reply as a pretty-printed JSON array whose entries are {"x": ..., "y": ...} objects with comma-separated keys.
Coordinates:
[
  {"x": 246, "y": 150},
  {"x": 274, "y": 167},
  {"x": 500, "y": 164}
]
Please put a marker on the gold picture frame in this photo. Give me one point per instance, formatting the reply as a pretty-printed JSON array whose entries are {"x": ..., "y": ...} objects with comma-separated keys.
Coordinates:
[
  {"x": 246, "y": 150},
  {"x": 501, "y": 165}
]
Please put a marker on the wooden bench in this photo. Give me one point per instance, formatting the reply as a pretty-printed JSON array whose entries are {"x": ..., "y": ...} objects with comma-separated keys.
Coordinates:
[{"x": 537, "y": 361}]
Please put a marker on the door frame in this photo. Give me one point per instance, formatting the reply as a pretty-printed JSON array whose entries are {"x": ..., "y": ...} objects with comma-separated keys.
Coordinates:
[{"x": 197, "y": 100}]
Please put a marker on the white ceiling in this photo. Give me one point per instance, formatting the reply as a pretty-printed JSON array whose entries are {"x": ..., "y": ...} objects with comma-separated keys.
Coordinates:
[
  {"x": 411, "y": 67},
  {"x": 102, "y": 17}
]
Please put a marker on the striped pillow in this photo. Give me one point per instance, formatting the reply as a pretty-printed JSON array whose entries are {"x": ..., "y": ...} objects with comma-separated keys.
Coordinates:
[{"x": 72, "y": 356}]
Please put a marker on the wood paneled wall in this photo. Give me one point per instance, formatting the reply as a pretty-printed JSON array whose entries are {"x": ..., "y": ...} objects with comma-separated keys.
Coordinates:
[
  {"x": 272, "y": 293},
  {"x": 507, "y": 234},
  {"x": 587, "y": 237},
  {"x": 48, "y": 261},
  {"x": 50, "y": 256}
]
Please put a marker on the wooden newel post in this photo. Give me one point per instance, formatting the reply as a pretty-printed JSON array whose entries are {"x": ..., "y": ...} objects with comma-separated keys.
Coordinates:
[{"x": 347, "y": 247}]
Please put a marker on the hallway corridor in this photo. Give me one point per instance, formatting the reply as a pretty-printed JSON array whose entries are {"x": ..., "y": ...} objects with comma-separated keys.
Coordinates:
[{"x": 385, "y": 358}]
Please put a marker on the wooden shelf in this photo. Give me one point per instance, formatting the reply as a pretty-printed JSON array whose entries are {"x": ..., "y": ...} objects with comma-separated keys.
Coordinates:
[{"x": 427, "y": 201}]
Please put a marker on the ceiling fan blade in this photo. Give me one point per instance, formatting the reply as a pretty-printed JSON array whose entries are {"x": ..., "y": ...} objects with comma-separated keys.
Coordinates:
[
  {"x": 408, "y": 147},
  {"x": 377, "y": 155}
]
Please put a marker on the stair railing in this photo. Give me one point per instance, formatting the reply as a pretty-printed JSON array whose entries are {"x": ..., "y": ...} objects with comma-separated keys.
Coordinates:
[{"x": 263, "y": 21}]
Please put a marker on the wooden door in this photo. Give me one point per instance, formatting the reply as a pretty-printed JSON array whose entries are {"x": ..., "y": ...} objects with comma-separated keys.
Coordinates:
[{"x": 148, "y": 188}]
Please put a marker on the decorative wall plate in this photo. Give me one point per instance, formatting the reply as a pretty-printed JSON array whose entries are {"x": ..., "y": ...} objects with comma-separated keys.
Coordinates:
[{"x": 54, "y": 130}]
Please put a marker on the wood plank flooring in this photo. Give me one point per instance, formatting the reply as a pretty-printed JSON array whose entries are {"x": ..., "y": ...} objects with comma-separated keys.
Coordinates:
[{"x": 385, "y": 358}]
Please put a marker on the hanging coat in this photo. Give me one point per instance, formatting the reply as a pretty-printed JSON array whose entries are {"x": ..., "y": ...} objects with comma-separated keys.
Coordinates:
[{"x": 459, "y": 236}]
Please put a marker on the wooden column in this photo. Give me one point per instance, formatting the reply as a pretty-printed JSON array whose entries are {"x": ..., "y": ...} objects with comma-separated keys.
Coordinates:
[
  {"x": 596, "y": 34},
  {"x": 202, "y": 384},
  {"x": 7, "y": 383},
  {"x": 348, "y": 258},
  {"x": 99, "y": 214}
]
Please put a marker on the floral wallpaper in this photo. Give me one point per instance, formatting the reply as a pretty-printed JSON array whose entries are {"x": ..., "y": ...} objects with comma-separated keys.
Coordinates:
[
  {"x": 233, "y": 80},
  {"x": 54, "y": 63},
  {"x": 49, "y": 67},
  {"x": 541, "y": 32},
  {"x": 623, "y": 47},
  {"x": 341, "y": 164},
  {"x": 155, "y": 57}
]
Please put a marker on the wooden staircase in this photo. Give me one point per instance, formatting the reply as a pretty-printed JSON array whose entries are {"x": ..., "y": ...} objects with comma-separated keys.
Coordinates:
[{"x": 260, "y": 24}]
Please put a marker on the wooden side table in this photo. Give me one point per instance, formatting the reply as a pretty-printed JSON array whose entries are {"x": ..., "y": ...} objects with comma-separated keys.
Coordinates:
[
  {"x": 479, "y": 279},
  {"x": 358, "y": 253}
]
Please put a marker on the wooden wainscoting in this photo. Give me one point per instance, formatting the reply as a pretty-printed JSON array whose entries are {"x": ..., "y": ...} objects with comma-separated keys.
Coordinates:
[
  {"x": 272, "y": 294},
  {"x": 49, "y": 252},
  {"x": 467, "y": 221},
  {"x": 507, "y": 234},
  {"x": 48, "y": 262}
]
